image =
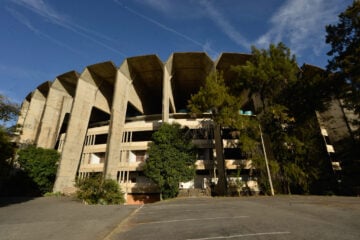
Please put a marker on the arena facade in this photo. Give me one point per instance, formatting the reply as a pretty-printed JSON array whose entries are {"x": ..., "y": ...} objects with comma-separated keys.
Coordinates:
[{"x": 102, "y": 119}]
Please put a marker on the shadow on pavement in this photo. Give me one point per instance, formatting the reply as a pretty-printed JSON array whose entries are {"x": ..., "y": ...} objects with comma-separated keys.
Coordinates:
[{"x": 5, "y": 201}]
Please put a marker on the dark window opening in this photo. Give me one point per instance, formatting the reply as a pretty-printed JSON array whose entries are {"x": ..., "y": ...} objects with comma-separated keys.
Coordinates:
[
  {"x": 98, "y": 118},
  {"x": 142, "y": 136},
  {"x": 101, "y": 139},
  {"x": 228, "y": 133},
  {"x": 232, "y": 153},
  {"x": 131, "y": 111}
]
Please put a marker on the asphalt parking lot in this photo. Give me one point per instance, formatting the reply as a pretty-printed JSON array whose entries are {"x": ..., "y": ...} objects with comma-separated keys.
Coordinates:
[
  {"x": 281, "y": 217},
  {"x": 284, "y": 217}
]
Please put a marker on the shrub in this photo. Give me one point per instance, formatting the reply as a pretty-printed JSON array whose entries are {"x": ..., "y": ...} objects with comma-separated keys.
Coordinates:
[
  {"x": 40, "y": 165},
  {"x": 96, "y": 190}
]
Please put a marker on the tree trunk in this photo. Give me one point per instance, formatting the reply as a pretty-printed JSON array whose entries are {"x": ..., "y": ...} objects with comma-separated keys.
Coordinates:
[{"x": 221, "y": 187}]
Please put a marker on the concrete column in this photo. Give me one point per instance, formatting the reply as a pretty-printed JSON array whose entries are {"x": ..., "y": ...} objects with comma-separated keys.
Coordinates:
[
  {"x": 117, "y": 122},
  {"x": 71, "y": 153},
  {"x": 33, "y": 117},
  {"x": 58, "y": 103},
  {"x": 166, "y": 95}
]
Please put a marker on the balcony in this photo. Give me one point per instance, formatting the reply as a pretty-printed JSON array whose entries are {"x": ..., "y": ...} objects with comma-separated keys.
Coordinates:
[
  {"x": 131, "y": 166},
  {"x": 98, "y": 167},
  {"x": 229, "y": 164},
  {"x": 95, "y": 148}
]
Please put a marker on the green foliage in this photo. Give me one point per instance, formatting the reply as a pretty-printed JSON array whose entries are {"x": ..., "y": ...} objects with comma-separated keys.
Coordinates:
[
  {"x": 267, "y": 72},
  {"x": 7, "y": 151},
  {"x": 96, "y": 190},
  {"x": 289, "y": 98},
  {"x": 8, "y": 109},
  {"x": 344, "y": 38},
  {"x": 215, "y": 96},
  {"x": 7, "y": 148},
  {"x": 171, "y": 159},
  {"x": 40, "y": 165}
]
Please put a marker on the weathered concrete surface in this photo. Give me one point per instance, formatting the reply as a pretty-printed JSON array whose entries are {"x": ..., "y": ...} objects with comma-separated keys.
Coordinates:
[{"x": 59, "y": 218}]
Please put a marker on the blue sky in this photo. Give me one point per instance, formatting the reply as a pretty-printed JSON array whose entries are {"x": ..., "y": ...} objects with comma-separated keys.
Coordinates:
[{"x": 41, "y": 39}]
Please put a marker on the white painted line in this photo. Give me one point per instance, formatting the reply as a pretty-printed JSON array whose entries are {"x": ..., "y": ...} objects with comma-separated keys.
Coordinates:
[
  {"x": 241, "y": 235},
  {"x": 191, "y": 219}
]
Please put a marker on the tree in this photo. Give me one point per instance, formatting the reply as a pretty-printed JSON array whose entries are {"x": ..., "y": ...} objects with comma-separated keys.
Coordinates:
[
  {"x": 289, "y": 97},
  {"x": 40, "y": 165},
  {"x": 267, "y": 73},
  {"x": 344, "y": 38},
  {"x": 171, "y": 159},
  {"x": 8, "y": 109},
  {"x": 344, "y": 66},
  {"x": 215, "y": 97}
]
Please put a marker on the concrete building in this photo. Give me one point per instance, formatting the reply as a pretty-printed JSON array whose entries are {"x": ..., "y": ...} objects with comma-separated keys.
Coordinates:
[{"x": 102, "y": 119}]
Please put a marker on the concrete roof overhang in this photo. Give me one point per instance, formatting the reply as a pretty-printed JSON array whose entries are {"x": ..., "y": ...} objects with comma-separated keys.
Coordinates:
[
  {"x": 44, "y": 88},
  {"x": 188, "y": 71},
  {"x": 226, "y": 60},
  {"x": 28, "y": 97},
  {"x": 147, "y": 70},
  {"x": 103, "y": 71},
  {"x": 70, "y": 77},
  {"x": 312, "y": 68},
  {"x": 146, "y": 73},
  {"x": 67, "y": 82}
]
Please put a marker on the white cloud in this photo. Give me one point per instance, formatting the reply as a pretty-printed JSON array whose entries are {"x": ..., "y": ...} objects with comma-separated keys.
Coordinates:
[
  {"x": 224, "y": 25},
  {"x": 165, "y": 27},
  {"x": 301, "y": 25}
]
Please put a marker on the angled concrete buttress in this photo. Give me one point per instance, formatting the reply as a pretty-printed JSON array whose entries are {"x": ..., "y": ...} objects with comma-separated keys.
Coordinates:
[
  {"x": 58, "y": 103},
  {"x": 88, "y": 95},
  {"x": 34, "y": 114},
  {"x": 122, "y": 89},
  {"x": 23, "y": 112}
]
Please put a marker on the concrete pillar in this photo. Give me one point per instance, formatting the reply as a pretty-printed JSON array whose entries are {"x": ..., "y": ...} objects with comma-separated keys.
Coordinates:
[
  {"x": 117, "y": 122},
  {"x": 58, "y": 103},
  {"x": 166, "y": 95},
  {"x": 84, "y": 100},
  {"x": 32, "y": 117}
]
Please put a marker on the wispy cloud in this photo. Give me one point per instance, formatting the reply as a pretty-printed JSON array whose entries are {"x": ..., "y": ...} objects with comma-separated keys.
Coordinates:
[
  {"x": 23, "y": 20},
  {"x": 46, "y": 11},
  {"x": 301, "y": 24},
  {"x": 224, "y": 25},
  {"x": 161, "y": 5},
  {"x": 165, "y": 27}
]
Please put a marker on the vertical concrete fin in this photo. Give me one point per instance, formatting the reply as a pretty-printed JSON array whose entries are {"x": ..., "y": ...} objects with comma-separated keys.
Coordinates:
[{"x": 117, "y": 122}]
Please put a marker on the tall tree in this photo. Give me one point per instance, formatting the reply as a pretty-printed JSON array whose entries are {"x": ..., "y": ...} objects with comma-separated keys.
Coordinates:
[
  {"x": 224, "y": 107},
  {"x": 344, "y": 66},
  {"x": 171, "y": 159},
  {"x": 289, "y": 98},
  {"x": 344, "y": 38}
]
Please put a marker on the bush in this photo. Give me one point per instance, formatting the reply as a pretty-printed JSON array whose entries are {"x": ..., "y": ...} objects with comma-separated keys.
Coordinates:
[
  {"x": 40, "y": 165},
  {"x": 95, "y": 190}
]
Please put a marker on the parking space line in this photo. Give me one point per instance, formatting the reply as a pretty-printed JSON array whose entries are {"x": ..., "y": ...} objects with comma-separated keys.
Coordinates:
[
  {"x": 241, "y": 235},
  {"x": 191, "y": 219}
]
